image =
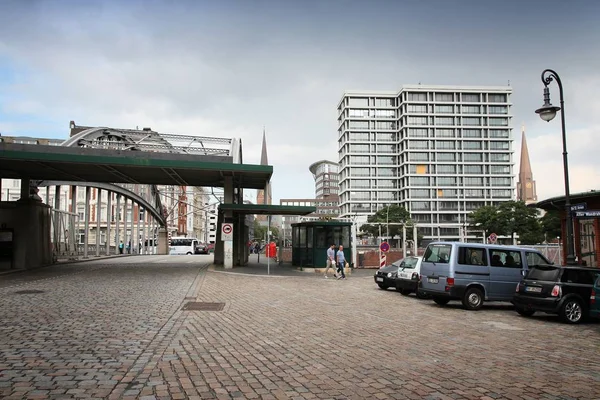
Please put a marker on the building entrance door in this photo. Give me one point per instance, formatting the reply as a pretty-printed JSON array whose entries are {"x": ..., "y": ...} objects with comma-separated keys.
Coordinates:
[{"x": 587, "y": 237}]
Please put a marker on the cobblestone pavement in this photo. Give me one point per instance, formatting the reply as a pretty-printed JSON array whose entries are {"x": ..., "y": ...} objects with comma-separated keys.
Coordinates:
[{"x": 116, "y": 329}]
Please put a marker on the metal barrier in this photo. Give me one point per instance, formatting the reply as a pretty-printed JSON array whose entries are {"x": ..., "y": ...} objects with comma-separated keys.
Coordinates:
[
  {"x": 552, "y": 252},
  {"x": 63, "y": 225}
]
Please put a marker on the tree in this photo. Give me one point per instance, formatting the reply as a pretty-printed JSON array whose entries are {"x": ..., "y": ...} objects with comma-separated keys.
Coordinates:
[
  {"x": 508, "y": 217},
  {"x": 260, "y": 231},
  {"x": 390, "y": 214},
  {"x": 551, "y": 226}
]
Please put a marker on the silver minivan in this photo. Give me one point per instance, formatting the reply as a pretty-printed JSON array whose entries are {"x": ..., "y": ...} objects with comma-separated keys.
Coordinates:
[{"x": 473, "y": 272}]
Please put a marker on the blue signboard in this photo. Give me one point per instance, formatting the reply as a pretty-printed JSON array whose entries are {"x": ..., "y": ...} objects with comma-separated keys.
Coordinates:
[
  {"x": 587, "y": 214},
  {"x": 579, "y": 207}
]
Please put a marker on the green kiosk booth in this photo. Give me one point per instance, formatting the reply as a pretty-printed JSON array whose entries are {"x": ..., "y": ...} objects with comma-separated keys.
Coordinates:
[{"x": 310, "y": 241}]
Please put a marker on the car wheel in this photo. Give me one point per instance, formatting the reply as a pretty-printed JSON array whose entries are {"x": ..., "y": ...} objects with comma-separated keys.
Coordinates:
[
  {"x": 189, "y": 253},
  {"x": 382, "y": 287},
  {"x": 421, "y": 295},
  {"x": 440, "y": 301},
  {"x": 526, "y": 312},
  {"x": 571, "y": 311},
  {"x": 473, "y": 299},
  {"x": 404, "y": 292}
]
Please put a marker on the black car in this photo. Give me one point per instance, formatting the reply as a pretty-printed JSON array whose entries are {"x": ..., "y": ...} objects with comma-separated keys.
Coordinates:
[
  {"x": 201, "y": 248},
  {"x": 562, "y": 290}
]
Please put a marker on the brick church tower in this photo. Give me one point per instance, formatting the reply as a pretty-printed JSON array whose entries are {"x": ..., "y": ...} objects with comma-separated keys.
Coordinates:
[
  {"x": 526, "y": 186},
  {"x": 260, "y": 197}
]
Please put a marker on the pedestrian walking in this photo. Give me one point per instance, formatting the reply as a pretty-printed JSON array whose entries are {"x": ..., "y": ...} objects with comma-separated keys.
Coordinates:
[
  {"x": 121, "y": 247},
  {"x": 331, "y": 261},
  {"x": 341, "y": 262}
]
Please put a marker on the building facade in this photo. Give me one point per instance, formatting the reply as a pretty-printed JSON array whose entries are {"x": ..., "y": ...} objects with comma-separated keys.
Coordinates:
[
  {"x": 326, "y": 176},
  {"x": 438, "y": 151}
]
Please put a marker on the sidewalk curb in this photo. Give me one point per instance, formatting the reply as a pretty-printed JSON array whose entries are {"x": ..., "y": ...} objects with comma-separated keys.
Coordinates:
[{"x": 12, "y": 271}]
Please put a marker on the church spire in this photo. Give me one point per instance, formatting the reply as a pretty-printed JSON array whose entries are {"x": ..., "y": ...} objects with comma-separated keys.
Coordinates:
[
  {"x": 526, "y": 186},
  {"x": 264, "y": 160}
]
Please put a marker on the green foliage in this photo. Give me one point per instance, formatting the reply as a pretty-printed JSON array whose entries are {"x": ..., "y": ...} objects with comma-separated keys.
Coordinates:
[
  {"x": 551, "y": 225},
  {"x": 260, "y": 231},
  {"x": 389, "y": 214},
  {"x": 509, "y": 217}
]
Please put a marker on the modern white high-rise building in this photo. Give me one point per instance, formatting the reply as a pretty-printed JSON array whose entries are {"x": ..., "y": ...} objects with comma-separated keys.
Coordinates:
[{"x": 438, "y": 151}]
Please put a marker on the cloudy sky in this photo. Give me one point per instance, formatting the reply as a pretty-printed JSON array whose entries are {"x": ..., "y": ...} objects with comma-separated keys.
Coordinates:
[{"x": 228, "y": 68}]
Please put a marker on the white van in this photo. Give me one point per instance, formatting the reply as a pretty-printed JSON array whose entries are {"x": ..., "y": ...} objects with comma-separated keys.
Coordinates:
[{"x": 183, "y": 246}]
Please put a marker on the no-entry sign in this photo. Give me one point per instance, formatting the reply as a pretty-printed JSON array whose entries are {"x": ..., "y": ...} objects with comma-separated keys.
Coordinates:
[{"x": 226, "y": 231}]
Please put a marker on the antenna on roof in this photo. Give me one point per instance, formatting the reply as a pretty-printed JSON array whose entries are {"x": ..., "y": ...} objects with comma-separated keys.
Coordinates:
[{"x": 509, "y": 82}]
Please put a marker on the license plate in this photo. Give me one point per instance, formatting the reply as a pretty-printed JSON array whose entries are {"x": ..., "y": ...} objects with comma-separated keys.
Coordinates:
[
  {"x": 433, "y": 280},
  {"x": 405, "y": 275},
  {"x": 533, "y": 289},
  {"x": 379, "y": 279}
]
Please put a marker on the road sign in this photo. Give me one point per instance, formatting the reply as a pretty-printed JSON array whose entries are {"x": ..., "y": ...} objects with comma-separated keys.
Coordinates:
[
  {"x": 579, "y": 207},
  {"x": 384, "y": 246},
  {"x": 493, "y": 237},
  {"x": 226, "y": 231},
  {"x": 587, "y": 214}
]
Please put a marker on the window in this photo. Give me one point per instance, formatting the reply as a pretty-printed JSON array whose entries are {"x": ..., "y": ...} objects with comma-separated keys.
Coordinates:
[
  {"x": 499, "y": 145},
  {"x": 358, "y": 113},
  {"x": 438, "y": 253},
  {"x": 418, "y": 156},
  {"x": 420, "y": 205},
  {"x": 473, "y": 169},
  {"x": 359, "y": 125},
  {"x": 446, "y": 181},
  {"x": 417, "y": 132},
  {"x": 471, "y": 98},
  {"x": 473, "y": 205},
  {"x": 386, "y": 137},
  {"x": 359, "y": 136},
  {"x": 447, "y": 193},
  {"x": 417, "y": 96},
  {"x": 448, "y": 205},
  {"x": 359, "y": 183},
  {"x": 386, "y": 172},
  {"x": 422, "y": 218},
  {"x": 472, "y": 181},
  {"x": 473, "y": 157},
  {"x": 380, "y": 124},
  {"x": 535, "y": 259},
  {"x": 498, "y": 133},
  {"x": 386, "y": 195},
  {"x": 471, "y": 109},
  {"x": 419, "y": 181},
  {"x": 444, "y": 132},
  {"x": 417, "y": 120},
  {"x": 418, "y": 169},
  {"x": 497, "y": 98},
  {"x": 472, "y": 256},
  {"x": 500, "y": 181},
  {"x": 419, "y": 193},
  {"x": 473, "y": 193},
  {"x": 499, "y": 169},
  {"x": 445, "y": 145},
  {"x": 498, "y": 121},
  {"x": 498, "y": 110},
  {"x": 541, "y": 273},
  {"x": 417, "y": 108},
  {"x": 470, "y": 121},
  {"x": 444, "y": 120},
  {"x": 505, "y": 258},
  {"x": 386, "y": 183},
  {"x": 384, "y": 102},
  {"x": 502, "y": 194},
  {"x": 446, "y": 169},
  {"x": 358, "y": 148},
  {"x": 360, "y": 195},
  {"x": 444, "y": 109},
  {"x": 382, "y": 160},
  {"x": 359, "y": 171},
  {"x": 383, "y": 113},
  {"x": 499, "y": 157},
  {"x": 359, "y": 160},
  {"x": 418, "y": 144},
  {"x": 472, "y": 133},
  {"x": 471, "y": 145},
  {"x": 386, "y": 148},
  {"x": 358, "y": 102},
  {"x": 444, "y": 97},
  {"x": 446, "y": 157}
]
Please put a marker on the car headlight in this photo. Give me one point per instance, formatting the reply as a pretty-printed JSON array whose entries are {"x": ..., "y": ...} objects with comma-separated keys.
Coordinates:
[{"x": 389, "y": 275}]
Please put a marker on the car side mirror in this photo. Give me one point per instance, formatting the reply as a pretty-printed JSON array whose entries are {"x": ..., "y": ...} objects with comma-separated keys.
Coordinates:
[{"x": 523, "y": 272}]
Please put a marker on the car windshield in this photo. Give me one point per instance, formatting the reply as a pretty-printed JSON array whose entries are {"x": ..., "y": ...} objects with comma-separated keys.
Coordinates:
[
  {"x": 543, "y": 273},
  {"x": 410, "y": 262},
  {"x": 437, "y": 253}
]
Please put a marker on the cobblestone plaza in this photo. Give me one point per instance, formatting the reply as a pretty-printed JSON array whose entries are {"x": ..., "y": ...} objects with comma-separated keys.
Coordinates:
[{"x": 117, "y": 329}]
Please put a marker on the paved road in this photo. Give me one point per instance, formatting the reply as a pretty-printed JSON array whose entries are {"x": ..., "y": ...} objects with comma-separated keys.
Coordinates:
[{"x": 116, "y": 329}]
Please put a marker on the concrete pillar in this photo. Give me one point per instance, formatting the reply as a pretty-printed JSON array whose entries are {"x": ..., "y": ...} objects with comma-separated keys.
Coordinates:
[
  {"x": 118, "y": 224},
  {"x": 98, "y": 218},
  {"x": 153, "y": 236},
  {"x": 73, "y": 225},
  {"x": 24, "y": 189},
  {"x": 143, "y": 233},
  {"x": 163, "y": 241},
  {"x": 131, "y": 237},
  {"x": 147, "y": 235},
  {"x": 403, "y": 241},
  {"x": 108, "y": 220},
  {"x": 138, "y": 233},
  {"x": 47, "y": 194},
  {"x": 415, "y": 240},
  {"x": 86, "y": 235},
  {"x": 57, "y": 220},
  {"x": 125, "y": 200}
]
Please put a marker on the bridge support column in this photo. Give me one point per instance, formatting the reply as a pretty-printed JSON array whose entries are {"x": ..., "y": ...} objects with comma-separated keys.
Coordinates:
[
  {"x": 118, "y": 224},
  {"x": 108, "y": 220},
  {"x": 125, "y": 225},
  {"x": 57, "y": 220},
  {"x": 98, "y": 218},
  {"x": 138, "y": 236},
  {"x": 131, "y": 237},
  {"x": 86, "y": 236},
  {"x": 73, "y": 225},
  {"x": 163, "y": 242},
  {"x": 153, "y": 234}
]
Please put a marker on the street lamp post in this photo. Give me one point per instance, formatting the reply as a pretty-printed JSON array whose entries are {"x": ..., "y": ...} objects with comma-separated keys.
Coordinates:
[{"x": 547, "y": 112}]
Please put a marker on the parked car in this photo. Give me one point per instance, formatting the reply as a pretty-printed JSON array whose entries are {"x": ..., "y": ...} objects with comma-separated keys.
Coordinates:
[
  {"x": 385, "y": 277},
  {"x": 594, "y": 302},
  {"x": 474, "y": 273},
  {"x": 201, "y": 248},
  {"x": 566, "y": 291},
  {"x": 409, "y": 272}
]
